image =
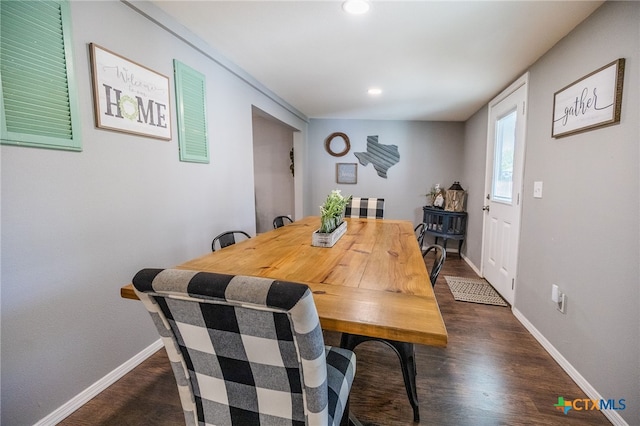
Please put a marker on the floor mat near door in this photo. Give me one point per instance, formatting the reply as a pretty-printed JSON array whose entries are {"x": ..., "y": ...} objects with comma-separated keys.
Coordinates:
[{"x": 474, "y": 290}]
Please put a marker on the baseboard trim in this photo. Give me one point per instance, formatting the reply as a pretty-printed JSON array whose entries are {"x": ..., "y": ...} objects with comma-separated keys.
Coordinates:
[
  {"x": 86, "y": 395},
  {"x": 470, "y": 263},
  {"x": 613, "y": 416}
]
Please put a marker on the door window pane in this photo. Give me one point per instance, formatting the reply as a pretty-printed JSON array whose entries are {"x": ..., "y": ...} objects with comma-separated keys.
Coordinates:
[{"x": 504, "y": 149}]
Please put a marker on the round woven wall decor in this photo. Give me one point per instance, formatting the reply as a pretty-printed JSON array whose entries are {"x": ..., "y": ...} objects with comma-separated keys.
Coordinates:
[{"x": 331, "y": 137}]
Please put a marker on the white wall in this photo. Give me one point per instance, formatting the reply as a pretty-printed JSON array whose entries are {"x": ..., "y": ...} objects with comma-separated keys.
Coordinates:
[
  {"x": 77, "y": 226},
  {"x": 583, "y": 235},
  {"x": 429, "y": 154}
]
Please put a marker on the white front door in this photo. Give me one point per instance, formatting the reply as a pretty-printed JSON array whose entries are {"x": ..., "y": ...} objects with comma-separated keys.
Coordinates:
[{"x": 505, "y": 165}]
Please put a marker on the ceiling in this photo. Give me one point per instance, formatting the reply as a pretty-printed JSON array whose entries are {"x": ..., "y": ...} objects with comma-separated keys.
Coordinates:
[{"x": 433, "y": 60}]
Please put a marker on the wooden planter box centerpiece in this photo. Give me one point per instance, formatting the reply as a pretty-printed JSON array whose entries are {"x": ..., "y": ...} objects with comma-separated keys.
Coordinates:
[
  {"x": 321, "y": 239},
  {"x": 332, "y": 224}
]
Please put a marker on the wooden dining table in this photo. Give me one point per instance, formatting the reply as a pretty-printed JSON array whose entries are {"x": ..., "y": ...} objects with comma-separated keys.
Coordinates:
[{"x": 372, "y": 282}]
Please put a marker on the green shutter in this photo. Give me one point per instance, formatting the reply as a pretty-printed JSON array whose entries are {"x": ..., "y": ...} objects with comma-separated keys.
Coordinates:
[
  {"x": 192, "y": 115},
  {"x": 39, "y": 104}
]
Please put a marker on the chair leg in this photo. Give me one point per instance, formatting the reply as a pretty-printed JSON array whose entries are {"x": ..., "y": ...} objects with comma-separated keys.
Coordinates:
[
  {"x": 405, "y": 352},
  {"x": 345, "y": 415}
]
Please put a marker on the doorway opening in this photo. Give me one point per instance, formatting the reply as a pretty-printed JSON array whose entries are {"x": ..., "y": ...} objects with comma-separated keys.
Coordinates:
[{"x": 273, "y": 169}]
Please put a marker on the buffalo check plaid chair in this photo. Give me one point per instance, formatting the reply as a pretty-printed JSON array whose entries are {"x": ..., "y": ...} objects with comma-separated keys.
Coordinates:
[
  {"x": 368, "y": 208},
  {"x": 246, "y": 350}
]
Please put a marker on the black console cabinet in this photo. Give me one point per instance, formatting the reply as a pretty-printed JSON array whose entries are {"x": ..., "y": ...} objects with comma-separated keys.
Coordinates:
[{"x": 445, "y": 225}]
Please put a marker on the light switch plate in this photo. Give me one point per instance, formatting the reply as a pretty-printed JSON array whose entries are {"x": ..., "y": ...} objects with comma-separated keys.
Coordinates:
[{"x": 537, "y": 189}]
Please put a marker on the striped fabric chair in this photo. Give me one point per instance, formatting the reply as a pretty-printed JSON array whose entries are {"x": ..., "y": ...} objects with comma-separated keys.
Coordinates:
[
  {"x": 246, "y": 350},
  {"x": 367, "y": 208}
]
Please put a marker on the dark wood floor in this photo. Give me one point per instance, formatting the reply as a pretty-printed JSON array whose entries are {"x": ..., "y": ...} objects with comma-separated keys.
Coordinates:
[{"x": 493, "y": 372}]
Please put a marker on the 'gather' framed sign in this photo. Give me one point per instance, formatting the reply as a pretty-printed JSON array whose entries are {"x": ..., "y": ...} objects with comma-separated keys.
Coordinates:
[
  {"x": 129, "y": 97},
  {"x": 591, "y": 102}
]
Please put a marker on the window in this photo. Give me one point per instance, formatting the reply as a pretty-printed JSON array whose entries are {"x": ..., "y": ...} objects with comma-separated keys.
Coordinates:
[
  {"x": 191, "y": 113},
  {"x": 38, "y": 100},
  {"x": 504, "y": 153}
]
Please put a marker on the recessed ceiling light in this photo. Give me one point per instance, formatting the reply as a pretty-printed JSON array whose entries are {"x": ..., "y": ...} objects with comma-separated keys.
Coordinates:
[
  {"x": 374, "y": 91},
  {"x": 356, "y": 7}
]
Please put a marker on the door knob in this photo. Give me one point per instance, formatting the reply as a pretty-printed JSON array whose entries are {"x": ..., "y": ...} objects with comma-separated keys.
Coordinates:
[{"x": 485, "y": 208}]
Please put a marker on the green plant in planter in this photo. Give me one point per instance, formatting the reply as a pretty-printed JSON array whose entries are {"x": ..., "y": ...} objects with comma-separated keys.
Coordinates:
[{"x": 332, "y": 211}]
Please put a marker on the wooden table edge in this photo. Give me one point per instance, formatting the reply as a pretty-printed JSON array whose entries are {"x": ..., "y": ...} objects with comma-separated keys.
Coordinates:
[{"x": 127, "y": 292}]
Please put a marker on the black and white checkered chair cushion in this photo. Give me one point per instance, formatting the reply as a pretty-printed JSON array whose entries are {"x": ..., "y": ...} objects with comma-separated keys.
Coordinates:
[
  {"x": 368, "y": 208},
  {"x": 246, "y": 350}
]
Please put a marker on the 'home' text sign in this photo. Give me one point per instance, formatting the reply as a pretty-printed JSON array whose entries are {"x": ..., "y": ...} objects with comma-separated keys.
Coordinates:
[{"x": 129, "y": 97}]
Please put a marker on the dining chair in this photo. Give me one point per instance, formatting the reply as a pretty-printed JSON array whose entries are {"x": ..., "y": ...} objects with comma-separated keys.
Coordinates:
[
  {"x": 227, "y": 238},
  {"x": 440, "y": 256},
  {"x": 419, "y": 231},
  {"x": 367, "y": 208},
  {"x": 404, "y": 350},
  {"x": 281, "y": 221},
  {"x": 246, "y": 350}
]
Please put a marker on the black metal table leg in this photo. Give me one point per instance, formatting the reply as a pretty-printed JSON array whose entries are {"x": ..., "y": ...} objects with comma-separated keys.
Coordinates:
[{"x": 405, "y": 352}]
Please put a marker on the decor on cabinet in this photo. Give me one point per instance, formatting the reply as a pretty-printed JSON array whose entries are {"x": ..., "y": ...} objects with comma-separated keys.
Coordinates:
[
  {"x": 454, "y": 198},
  {"x": 382, "y": 156},
  {"x": 347, "y": 172},
  {"x": 332, "y": 224},
  {"x": 591, "y": 102},
  {"x": 129, "y": 97},
  {"x": 331, "y": 137},
  {"x": 435, "y": 197}
]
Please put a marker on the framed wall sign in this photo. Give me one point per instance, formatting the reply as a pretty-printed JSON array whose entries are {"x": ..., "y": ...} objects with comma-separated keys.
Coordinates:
[
  {"x": 129, "y": 97},
  {"x": 347, "y": 172},
  {"x": 591, "y": 102}
]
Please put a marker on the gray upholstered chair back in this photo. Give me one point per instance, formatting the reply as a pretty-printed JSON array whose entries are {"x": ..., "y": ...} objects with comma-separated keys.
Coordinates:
[
  {"x": 246, "y": 350},
  {"x": 367, "y": 208}
]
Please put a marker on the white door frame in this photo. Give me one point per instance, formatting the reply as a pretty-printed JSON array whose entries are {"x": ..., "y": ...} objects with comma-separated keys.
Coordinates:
[{"x": 522, "y": 81}]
